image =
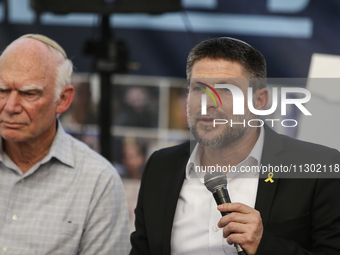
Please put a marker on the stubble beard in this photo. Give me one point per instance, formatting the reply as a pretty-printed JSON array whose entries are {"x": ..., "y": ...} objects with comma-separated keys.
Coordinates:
[{"x": 207, "y": 135}]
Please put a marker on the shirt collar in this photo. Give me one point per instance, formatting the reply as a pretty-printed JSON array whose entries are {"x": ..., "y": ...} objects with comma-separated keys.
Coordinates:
[
  {"x": 256, "y": 152},
  {"x": 195, "y": 157},
  {"x": 61, "y": 148},
  {"x": 1, "y": 149}
]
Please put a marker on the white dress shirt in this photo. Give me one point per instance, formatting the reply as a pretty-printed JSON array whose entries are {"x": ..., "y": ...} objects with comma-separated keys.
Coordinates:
[{"x": 195, "y": 228}]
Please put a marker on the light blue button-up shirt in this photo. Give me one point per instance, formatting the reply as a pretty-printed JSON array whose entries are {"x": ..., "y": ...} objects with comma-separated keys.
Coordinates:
[{"x": 71, "y": 202}]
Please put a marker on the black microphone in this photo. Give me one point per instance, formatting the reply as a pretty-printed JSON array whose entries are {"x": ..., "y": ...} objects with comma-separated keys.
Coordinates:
[{"x": 216, "y": 183}]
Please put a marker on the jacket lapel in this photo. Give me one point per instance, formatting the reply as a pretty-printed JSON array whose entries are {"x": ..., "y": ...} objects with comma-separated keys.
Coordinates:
[
  {"x": 173, "y": 192},
  {"x": 271, "y": 156}
]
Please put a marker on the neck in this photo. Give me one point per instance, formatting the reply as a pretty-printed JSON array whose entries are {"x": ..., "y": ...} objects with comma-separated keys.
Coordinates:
[
  {"x": 26, "y": 154},
  {"x": 232, "y": 154}
]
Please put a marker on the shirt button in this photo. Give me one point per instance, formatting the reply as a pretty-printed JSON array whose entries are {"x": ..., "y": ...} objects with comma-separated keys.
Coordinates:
[
  {"x": 4, "y": 249},
  {"x": 215, "y": 229},
  {"x": 14, "y": 217},
  {"x": 22, "y": 180}
]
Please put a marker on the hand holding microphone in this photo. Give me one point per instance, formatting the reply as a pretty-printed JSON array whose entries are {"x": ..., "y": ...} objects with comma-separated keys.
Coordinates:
[{"x": 243, "y": 227}]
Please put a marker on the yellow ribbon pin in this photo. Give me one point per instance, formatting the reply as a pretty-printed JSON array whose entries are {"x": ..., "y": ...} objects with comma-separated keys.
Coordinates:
[{"x": 270, "y": 176}]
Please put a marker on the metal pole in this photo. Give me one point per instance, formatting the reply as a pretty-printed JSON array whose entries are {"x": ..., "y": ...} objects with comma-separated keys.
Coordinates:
[{"x": 105, "y": 94}]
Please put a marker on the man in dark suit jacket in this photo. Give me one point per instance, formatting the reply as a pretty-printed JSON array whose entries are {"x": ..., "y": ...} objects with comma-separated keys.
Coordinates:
[{"x": 290, "y": 216}]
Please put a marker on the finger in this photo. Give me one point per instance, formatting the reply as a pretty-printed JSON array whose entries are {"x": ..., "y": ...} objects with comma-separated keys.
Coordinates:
[
  {"x": 248, "y": 245},
  {"x": 235, "y": 217},
  {"x": 236, "y": 238},
  {"x": 234, "y": 207},
  {"x": 234, "y": 227}
]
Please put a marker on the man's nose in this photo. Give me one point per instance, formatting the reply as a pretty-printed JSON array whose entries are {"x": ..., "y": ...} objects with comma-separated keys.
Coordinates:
[{"x": 13, "y": 103}]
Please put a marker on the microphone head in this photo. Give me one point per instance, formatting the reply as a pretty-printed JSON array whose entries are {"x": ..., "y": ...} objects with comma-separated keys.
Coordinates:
[{"x": 215, "y": 180}]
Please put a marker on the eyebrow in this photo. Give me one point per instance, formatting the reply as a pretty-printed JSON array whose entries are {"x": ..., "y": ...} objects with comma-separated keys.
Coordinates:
[
  {"x": 224, "y": 81},
  {"x": 24, "y": 88},
  {"x": 31, "y": 87}
]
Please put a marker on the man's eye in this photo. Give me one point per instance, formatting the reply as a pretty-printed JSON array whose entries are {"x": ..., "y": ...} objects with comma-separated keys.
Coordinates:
[
  {"x": 223, "y": 90},
  {"x": 4, "y": 92},
  {"x": 197, "y": 88},
  {"x": 29, "y": 94}
]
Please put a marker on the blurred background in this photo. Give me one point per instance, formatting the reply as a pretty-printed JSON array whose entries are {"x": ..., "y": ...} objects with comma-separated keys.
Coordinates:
[{"x": 130, "y": 59}]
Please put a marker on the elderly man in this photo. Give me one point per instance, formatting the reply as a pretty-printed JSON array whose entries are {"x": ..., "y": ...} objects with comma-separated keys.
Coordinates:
[
  {"x": 176, "y": 214},
  {"x": 57, "y": 196}
]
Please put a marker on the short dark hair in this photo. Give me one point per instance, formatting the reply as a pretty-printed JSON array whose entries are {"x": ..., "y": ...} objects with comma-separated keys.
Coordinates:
[{"x": 251, "y": 60}]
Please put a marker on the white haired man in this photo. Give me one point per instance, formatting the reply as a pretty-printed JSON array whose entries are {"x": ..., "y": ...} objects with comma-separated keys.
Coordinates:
[{"x": 57, "y": 195}]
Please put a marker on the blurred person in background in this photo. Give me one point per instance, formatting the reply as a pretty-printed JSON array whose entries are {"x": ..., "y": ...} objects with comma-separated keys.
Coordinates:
[
  {"x": 81, "y": 113},
  {"x": 137, "y": 111},
  {"x": 131, "y": 168},
  {"x": 132, "y": 159},
  {"x": 82, "y": 109}
]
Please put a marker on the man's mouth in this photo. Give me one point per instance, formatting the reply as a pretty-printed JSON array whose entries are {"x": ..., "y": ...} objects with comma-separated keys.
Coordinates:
[
  {"x": 12, "y": 124},
  {"x": 207, "y": 119}
]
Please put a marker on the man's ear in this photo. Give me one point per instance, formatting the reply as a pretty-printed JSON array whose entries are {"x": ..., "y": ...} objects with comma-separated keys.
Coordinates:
[
  {"x": 261, "y": 97},
  {"x": 65, "y": 100}
]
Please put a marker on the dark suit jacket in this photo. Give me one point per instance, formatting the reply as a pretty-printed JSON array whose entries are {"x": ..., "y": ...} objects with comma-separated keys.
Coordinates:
[{"x": 300, "y": 216}]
